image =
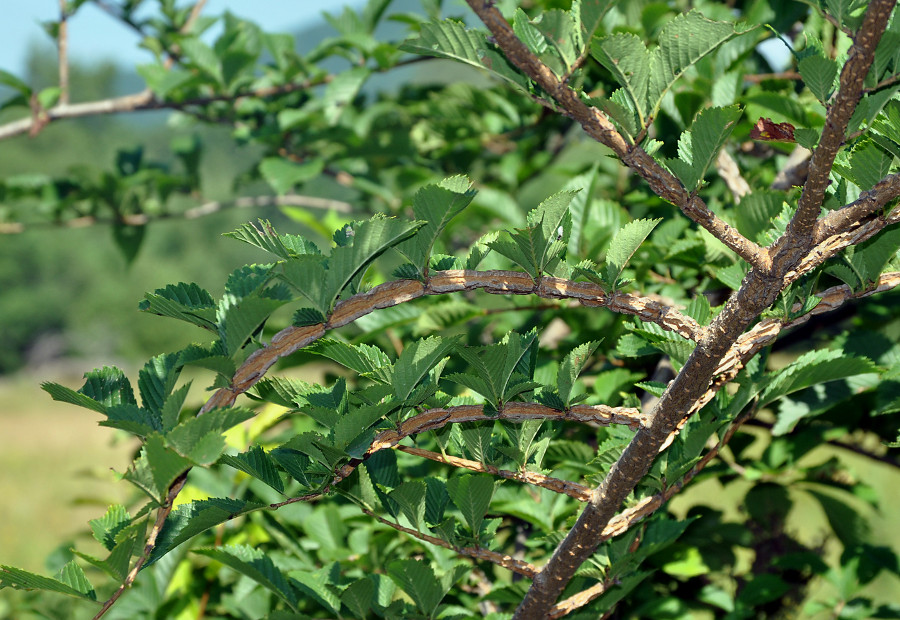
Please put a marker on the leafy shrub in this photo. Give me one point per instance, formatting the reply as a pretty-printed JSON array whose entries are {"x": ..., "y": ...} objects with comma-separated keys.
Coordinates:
[{"x": 524, "y": 337}]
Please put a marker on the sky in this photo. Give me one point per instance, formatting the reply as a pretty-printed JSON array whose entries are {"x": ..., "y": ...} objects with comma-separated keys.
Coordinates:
[{"x": 94, "y": 35}]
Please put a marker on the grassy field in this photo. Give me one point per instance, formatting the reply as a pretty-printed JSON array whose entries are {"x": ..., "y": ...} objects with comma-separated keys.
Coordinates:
[{"x": 52, "y": 455}]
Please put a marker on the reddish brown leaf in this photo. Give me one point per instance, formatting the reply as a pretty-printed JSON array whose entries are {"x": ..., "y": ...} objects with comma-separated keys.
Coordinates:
[{"x": 765, "y": 129}]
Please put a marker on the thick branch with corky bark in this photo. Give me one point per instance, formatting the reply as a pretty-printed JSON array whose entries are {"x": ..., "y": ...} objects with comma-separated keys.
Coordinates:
[
  {"x": 800, "y": 233},
  {"x": 758, "y": 291},
  {"x": 601, "y": 129}
]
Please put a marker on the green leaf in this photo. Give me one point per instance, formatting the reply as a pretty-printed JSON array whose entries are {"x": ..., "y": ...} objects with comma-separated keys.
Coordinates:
[
  {"x": 107, "y": 528},
  {"x": 620, "y": 109},
  {"x": 813, "y": 368},
  {"x": 756, "y": 211},
  {"x": 156, "y": 380},
  {"x": 417, "y": 579},
  {"x": 211, "y": 357},
  {"x": 626, "y": 57},
  {"x": 682, "y": 42},
  {"x": 316, "y": 585},
  {"x": 240, "y": 318},
  {"x": 494, "y": 366},
  {"x": 410, "y": 497},
  {"x": 450, "y": 39},
  {"x": 361, "y": 358},
  {"x": 203, "y": 57},
  {"x": 590, "y": 14},
  {"x": 162, "y": 80},
  {"x": 435, "y": 204},
  {"x": 818, "y": 73},
  {"x": 868, "y": 165},
  {"x": 49, "y": 97},
  {"x": 416, "y": 361},
  {"x": 321, "y": 279},
  {"x": 195, "y": 517},
  {"x": 839, "y": 9},
  {"x": 128, "y": 239},
  {"x": 284, "y": 175},
  {"x": 358, "y": 597},
  {"x": 186, "y": 302},
  {"x": 265, "y": 238},
  {"x": 646, "y": 76},
  {"x": 871, "y": 257},
  {"x": 156, "y": 468},
  {"x": 68, "y": 395},
  {"x": 341, "y": 91},
  {"x": 103, "y": 388},
  {"x": 8, "y": 79},
  {"x": 471, "y": 494},
  {"x": 436, "y": 500},
  {"x": 200, "y": 438},
  {"x": 70, "y": 581},
  {"x": 133, "y": 419},
  {"x": 571, "y": 367},
  {"x": 534, "y": 248},
  {"x": 699, "y": 146},
  {"x": 623, "y": 246},
  {"x": 528, "y": 34},
  {"x": 256, "y": 463},
  {"x": 255, "y": 564}
]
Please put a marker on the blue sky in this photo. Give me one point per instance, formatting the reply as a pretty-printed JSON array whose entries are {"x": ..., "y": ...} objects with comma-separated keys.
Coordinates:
[{"x": 94, "y": 35}]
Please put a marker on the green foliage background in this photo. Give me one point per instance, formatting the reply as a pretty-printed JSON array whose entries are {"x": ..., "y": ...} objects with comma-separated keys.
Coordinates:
[{"x": 783, "y": 522}]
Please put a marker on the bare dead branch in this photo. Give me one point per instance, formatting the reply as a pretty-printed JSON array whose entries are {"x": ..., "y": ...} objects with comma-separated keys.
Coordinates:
[{"x": 143, "y": 101}]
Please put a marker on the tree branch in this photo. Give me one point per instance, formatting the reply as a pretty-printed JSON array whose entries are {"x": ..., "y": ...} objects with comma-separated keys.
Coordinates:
[
  {"x": 758, "y": 291},
  {"x": 842, "y": 219},
  {"x": 207, "y": 208},
  {"x": 62, "y": 44},
  {"x": 508, "y": 562},
  {"x": 800, "y": 233},
  {"x": 601, "y": 129},
  {"x": 572, "y": 489},
  {"x": 731, "y": 174}
]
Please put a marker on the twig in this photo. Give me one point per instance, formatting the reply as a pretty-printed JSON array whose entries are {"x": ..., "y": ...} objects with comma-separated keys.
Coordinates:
[
  {"x": 572, "y": 489},
  {"x": 508, "y": 562},
  {"x": 890, "y": 81},
  {"x": 208, "y": 208},
  {"x": 161, "y": 515},
  {"x": 731, "y": 174},
  {"x": 756, "y": 78},
  {"x": 62, "y": 42}
]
